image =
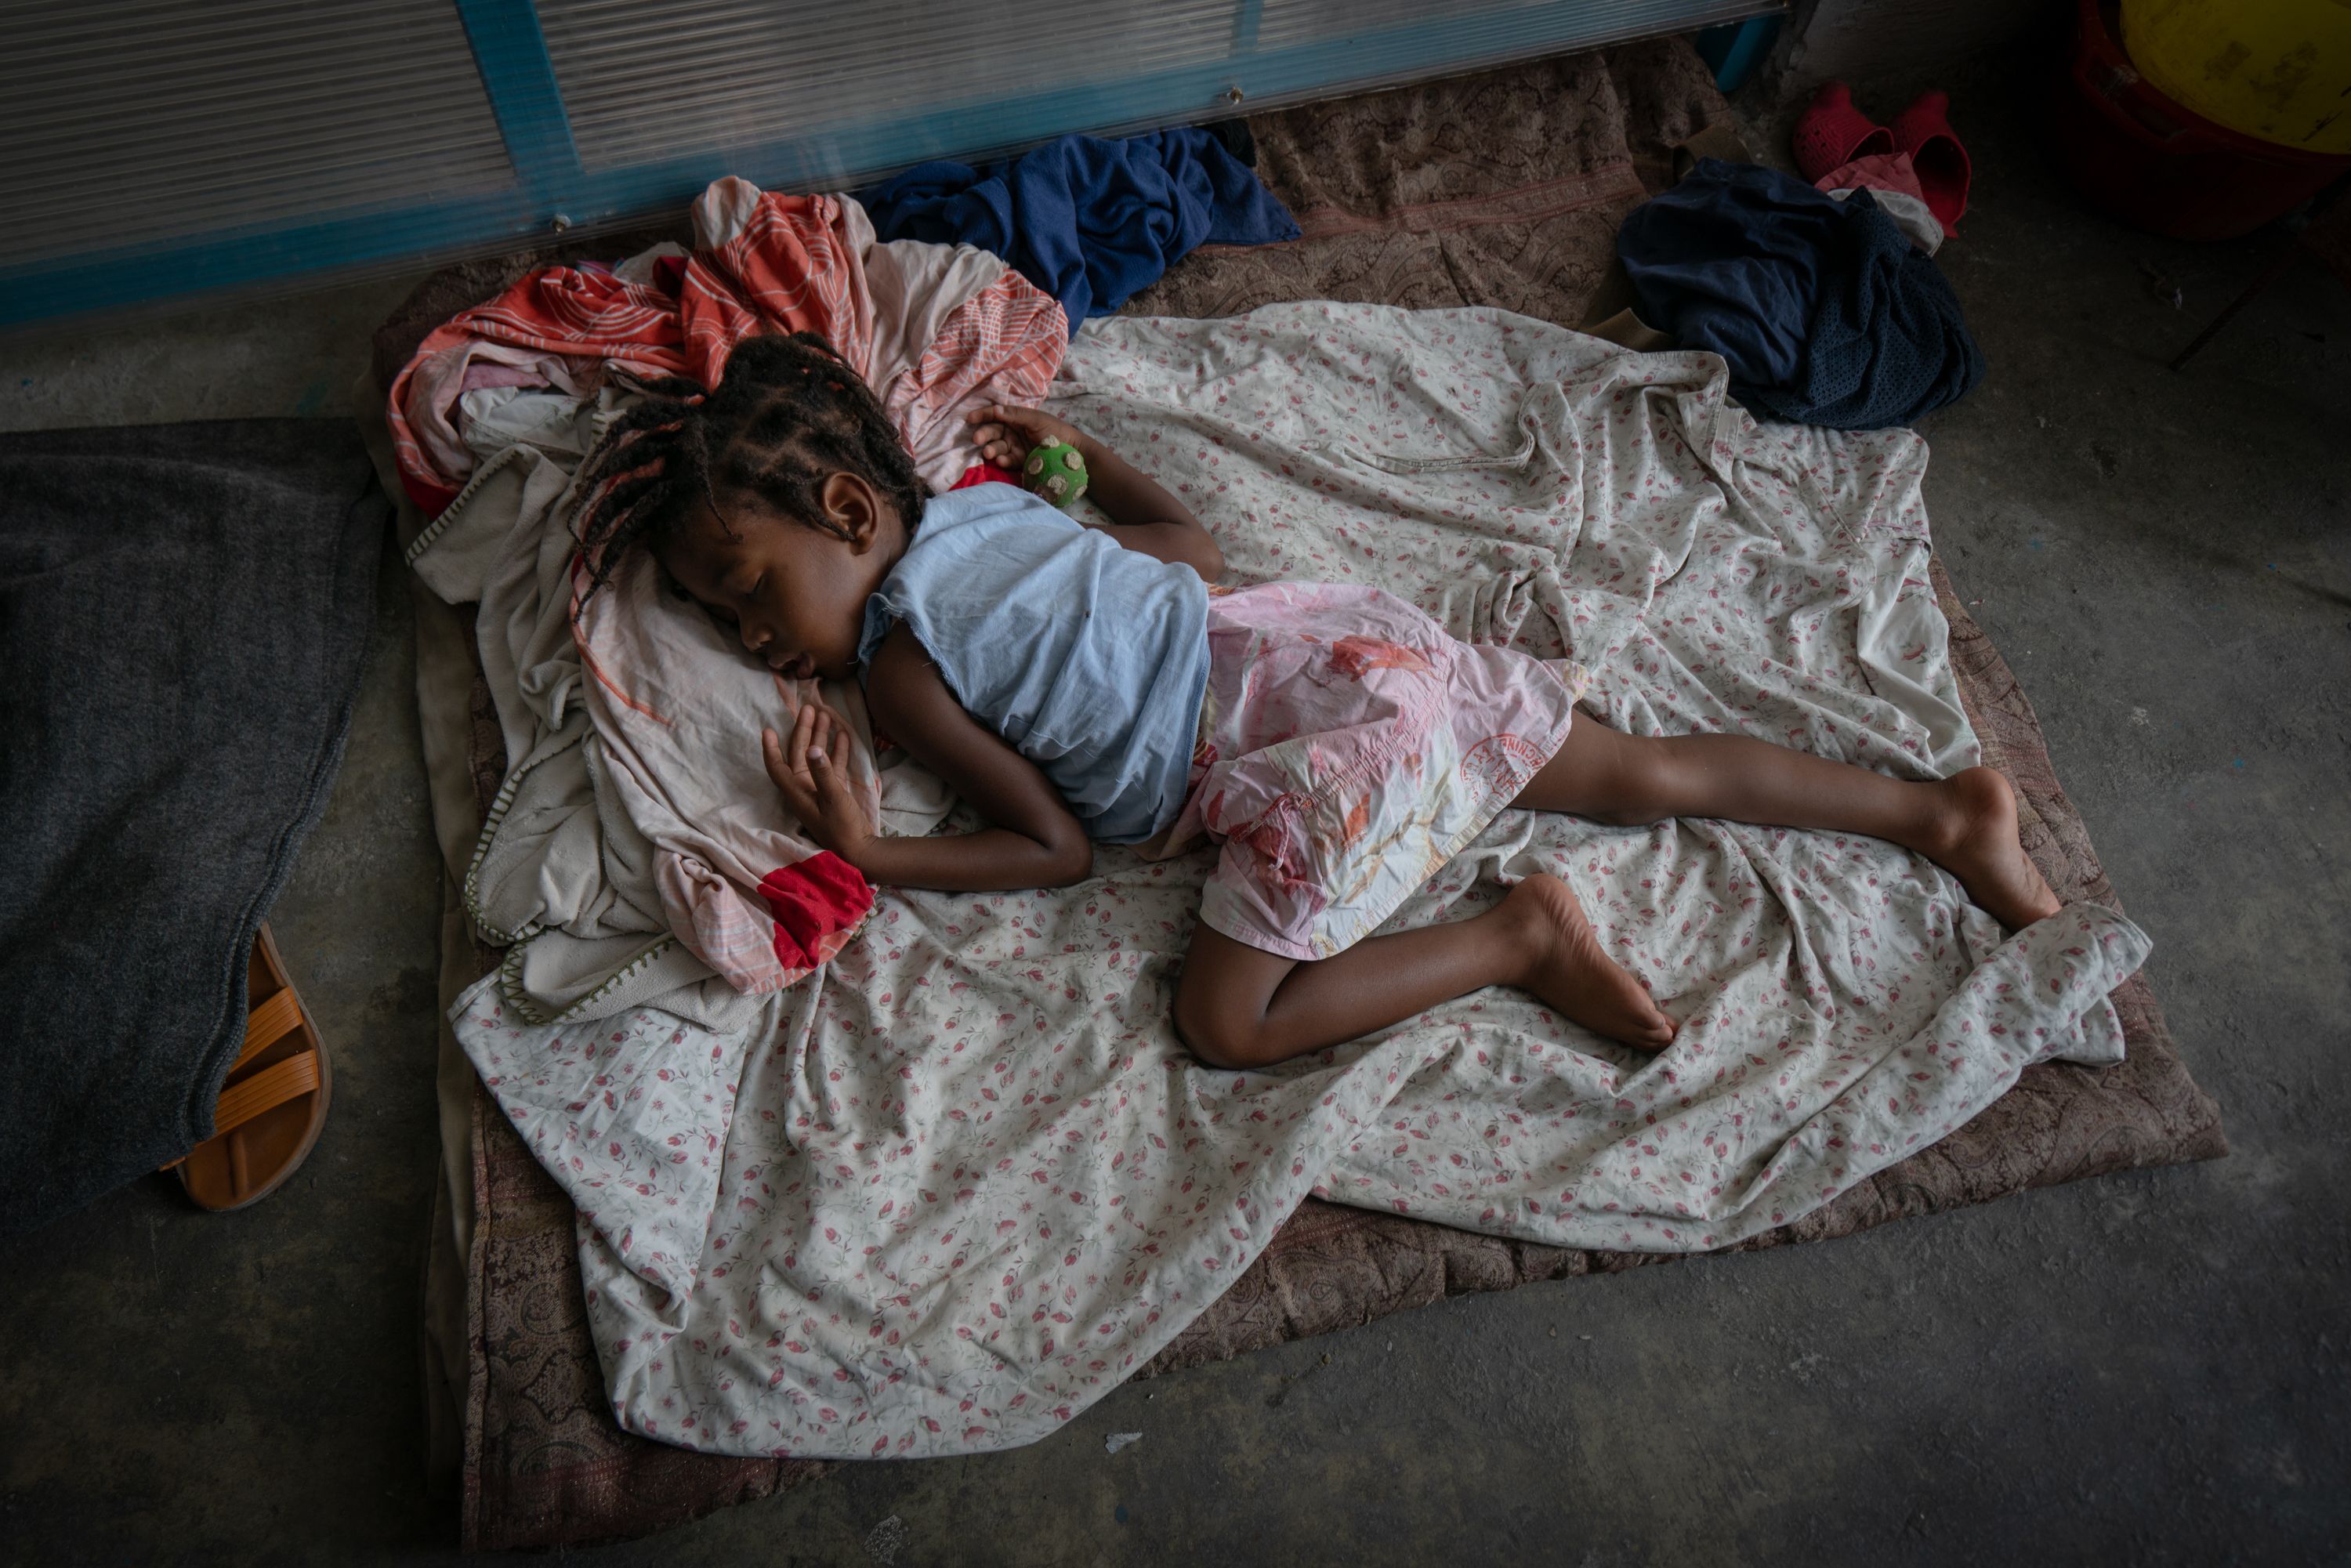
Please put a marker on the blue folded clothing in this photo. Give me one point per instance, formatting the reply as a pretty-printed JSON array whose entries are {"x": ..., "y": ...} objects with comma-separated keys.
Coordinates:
[
  {"x": 1822, "y": 309},
  {"x": 1088, "y": 221}
]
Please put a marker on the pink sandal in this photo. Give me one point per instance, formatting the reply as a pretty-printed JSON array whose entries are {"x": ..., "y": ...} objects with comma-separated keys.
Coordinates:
[
  {"x": 1831, "y": 132},
  {"x": 1924, "y": 132}
]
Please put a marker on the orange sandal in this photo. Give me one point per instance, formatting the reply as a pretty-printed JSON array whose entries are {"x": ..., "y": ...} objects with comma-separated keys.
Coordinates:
[{"x": 273, "y": 1101}]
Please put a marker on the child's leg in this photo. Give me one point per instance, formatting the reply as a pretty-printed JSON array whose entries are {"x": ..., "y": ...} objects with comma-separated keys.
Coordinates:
[
  {"x": 1966, "y": 823},
  {"x": 1237, "y": 1006}
]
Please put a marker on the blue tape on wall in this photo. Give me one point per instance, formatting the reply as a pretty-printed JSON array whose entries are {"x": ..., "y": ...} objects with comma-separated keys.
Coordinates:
[
  {"x": 1247, "y": 18},
  {"x": 551, "y": 182},
  {"x": 510, "y": 50}
]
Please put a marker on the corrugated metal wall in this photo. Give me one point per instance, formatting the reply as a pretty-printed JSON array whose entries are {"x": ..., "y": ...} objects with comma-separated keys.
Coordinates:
[
  {"x": 126, "y": 119},
  {"x": 150, "y": 148},
  {"x": 619, "y": 63}
]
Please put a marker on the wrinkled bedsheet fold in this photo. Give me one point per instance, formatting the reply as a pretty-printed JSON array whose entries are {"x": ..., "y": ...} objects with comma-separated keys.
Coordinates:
[
  {"x": 627, "y": 857},
  {"x": 961, "y": 1182}
]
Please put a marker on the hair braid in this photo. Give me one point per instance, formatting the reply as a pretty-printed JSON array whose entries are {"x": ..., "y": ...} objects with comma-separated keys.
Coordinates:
[{"x": 788, "y": 413}]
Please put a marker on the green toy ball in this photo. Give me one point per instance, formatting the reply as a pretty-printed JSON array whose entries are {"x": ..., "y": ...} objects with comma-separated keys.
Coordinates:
[{"x": 1056, "y": 471}]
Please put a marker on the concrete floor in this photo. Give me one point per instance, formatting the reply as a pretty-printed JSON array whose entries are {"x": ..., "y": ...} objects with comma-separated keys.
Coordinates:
[{"x": 2148, "y": 1367}]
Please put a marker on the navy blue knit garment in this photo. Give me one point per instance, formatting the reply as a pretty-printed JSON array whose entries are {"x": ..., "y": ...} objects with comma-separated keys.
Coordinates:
[
  {"x": 1822, "y": 309},
  {"x": 1086, "y": 220}
]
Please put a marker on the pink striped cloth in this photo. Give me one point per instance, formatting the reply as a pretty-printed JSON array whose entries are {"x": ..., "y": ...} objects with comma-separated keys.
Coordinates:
[{"x": 762, "y": 263}]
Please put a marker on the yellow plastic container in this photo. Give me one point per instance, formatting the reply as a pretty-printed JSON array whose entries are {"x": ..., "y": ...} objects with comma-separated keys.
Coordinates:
[{"x": 2277, "y": 69}]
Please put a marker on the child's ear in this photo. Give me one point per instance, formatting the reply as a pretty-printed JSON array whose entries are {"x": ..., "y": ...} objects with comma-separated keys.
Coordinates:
[{"x": 853, "y": 507}]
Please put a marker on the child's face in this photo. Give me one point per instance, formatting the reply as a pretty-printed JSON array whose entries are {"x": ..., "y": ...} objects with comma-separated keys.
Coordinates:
[{"x": 795, "y": 594}]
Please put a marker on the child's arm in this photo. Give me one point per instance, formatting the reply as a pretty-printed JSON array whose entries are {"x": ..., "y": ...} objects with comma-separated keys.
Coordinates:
[
  {"x": 1149, "y": 519},
  {"x": 1035, "y": 842}
]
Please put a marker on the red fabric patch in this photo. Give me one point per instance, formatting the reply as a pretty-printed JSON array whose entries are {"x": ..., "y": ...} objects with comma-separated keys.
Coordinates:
[
  {"x": 811, "y": 901},
  {"x": 986, "y": 474}
]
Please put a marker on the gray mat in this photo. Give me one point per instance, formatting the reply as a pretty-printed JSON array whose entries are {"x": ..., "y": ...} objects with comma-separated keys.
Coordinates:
[{"x": 183, "y": 611}]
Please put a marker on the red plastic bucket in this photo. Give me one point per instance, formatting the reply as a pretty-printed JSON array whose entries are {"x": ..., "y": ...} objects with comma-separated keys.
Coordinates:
[{"x": 2137, "y": 156}]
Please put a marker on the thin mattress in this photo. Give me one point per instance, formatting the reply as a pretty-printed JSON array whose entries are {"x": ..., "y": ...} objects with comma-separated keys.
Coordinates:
[{"x": 1503, "y": 189}]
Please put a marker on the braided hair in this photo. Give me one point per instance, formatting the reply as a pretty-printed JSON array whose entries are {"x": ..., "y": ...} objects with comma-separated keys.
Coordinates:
[{"x": 789, "y": 414}]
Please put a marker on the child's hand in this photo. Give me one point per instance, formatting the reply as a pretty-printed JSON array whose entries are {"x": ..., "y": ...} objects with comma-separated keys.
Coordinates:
[
  {"x": 1005, "y": 435},
  {"x": 811, "y": 773}
]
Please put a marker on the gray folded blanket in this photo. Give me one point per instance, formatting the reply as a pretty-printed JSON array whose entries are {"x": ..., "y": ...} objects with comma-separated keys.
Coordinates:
[{"x": 183, "y": 611}]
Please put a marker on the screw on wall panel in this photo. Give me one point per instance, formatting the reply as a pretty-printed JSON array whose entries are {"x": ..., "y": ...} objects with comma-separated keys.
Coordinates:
[
  {"x": 1232, "y": 95},
  {"x": 559, "y": 223}
]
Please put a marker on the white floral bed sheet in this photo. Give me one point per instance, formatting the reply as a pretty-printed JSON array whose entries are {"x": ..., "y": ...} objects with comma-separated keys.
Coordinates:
[{"x": 947, "y": 1193}]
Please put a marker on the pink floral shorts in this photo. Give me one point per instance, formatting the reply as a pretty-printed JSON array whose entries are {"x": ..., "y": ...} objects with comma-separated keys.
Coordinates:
[{"x": 1349, "y": 748}]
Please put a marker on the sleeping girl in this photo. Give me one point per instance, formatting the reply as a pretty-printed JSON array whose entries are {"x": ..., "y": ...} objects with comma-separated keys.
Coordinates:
[{"x": 1078, "y": 685}]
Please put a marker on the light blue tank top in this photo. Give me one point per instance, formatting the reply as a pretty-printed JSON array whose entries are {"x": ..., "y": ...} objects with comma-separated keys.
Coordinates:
[{"x": 1090, "y": 659}]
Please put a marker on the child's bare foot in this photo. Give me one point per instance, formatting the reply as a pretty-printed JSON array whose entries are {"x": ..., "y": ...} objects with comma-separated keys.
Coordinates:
[
  {"x": 1566, "y": 967},
  {"x": 1978, "y": 844}
]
